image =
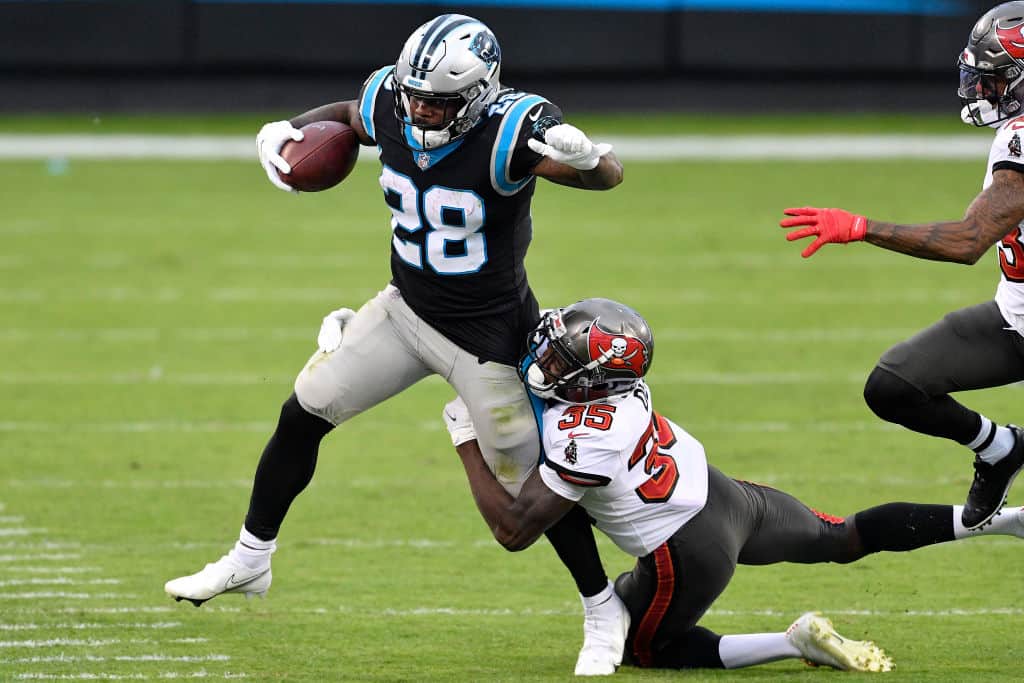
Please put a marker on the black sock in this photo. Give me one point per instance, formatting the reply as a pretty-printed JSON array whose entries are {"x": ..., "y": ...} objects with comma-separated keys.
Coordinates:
[
  {"x": 897, "y": 527},
  {"x": 286, "y": 468},
  {"x": 573, "y": 540}
]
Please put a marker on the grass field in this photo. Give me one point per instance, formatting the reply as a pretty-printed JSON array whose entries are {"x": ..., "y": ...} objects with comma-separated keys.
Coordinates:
[{"x": 156, "y": 313}]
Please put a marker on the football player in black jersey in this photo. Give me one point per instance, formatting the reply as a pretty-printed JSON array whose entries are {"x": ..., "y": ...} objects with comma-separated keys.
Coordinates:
[{"x": 459, "y": 157}]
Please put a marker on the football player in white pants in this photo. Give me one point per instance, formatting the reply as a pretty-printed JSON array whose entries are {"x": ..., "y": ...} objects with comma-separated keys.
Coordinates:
[
  {"x": 648, "y": 486},
  {"x": 460, "y": 153}
]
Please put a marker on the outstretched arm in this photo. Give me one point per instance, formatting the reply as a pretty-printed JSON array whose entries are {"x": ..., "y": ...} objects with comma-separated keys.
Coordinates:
[
  {"x": 991, "y": 216},
  {"x": 606, "y": 175},
  {"x": 571, "y": 158}
]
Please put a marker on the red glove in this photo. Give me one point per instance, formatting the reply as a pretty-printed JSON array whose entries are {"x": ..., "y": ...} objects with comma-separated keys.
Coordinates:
[{"x": 830, "y": 225}]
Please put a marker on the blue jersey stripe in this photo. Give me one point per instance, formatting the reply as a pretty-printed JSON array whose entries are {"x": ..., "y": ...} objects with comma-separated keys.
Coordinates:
[
  {"x": 506, "y": 144},
  {"x": 366, "y": 107},
  {"x": 537, "y": 404}
]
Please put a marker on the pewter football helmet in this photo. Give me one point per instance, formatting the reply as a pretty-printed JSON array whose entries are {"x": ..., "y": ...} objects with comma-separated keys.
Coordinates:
[
  {"x": 590, "y": 351},
  {"x": 452, "y": 61},
  {"x": 992, "y": 67}
]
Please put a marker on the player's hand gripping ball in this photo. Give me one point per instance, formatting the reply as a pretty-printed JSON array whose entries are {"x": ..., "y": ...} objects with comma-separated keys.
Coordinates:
[{"x": 323, "y": 158}]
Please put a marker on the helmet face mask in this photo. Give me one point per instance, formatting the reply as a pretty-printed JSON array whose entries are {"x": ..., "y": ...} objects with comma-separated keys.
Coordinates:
[
  {"x": 450, "y": 65},
  {"x": 594, "y": 350},
  {"x": 992, "y": 67}
]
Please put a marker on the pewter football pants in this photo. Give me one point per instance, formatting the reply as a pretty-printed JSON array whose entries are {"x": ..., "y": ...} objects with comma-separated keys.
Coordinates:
[{"x": 387, "y": 348}]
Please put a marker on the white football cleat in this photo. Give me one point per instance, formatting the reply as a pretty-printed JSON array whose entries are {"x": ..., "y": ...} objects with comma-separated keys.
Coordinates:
[
  {"x": 605, "y": 628},
  {"x": 223, "y": 576},
  {"x": 819, "y": 643}
]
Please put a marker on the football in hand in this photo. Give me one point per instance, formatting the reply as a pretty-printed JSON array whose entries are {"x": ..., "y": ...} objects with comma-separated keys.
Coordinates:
[{"x": 323, "y": 158}]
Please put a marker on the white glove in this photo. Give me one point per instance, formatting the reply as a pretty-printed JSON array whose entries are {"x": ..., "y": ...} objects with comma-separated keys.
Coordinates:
[
  {"x": 269, "y": 142},
  {"x": 332, "y": 329},
  {"x": 457, "y": 420},
  {"x": 569, "y": 145}
]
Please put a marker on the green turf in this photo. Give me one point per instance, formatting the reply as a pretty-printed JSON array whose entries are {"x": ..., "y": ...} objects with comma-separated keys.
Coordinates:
[{"x": 155, "y": 313}]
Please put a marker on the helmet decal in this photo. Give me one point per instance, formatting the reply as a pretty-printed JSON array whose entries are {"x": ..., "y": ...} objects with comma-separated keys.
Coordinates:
[
  {"x": 1011, "y": 39},
  {"x": 485, "y": 46},
  {"x": 619, "y": 351}
]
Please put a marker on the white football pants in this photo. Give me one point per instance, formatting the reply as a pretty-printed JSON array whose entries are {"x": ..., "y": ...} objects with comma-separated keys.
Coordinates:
[{"x": 386, "y": 348}]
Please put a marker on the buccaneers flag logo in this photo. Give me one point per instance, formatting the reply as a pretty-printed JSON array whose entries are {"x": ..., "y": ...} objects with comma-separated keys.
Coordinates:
[
  {"x": 1011, "y": 38},
  {"x": 625, "y": 352}
]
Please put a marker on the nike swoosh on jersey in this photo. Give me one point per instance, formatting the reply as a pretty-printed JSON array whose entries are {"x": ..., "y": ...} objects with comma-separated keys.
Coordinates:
[
  {"x": 535, "y": 114},
  {"x": 578, "y": 436}
]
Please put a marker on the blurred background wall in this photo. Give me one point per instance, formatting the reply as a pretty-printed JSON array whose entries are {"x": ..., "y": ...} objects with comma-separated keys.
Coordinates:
[{"x": 602, "y": 55}]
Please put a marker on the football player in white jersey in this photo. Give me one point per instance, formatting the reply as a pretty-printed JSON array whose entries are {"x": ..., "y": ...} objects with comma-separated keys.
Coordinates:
[
  {"x": 977, "y": 347},
  {"x": 647, "y": 484},
  {"x": 460, "y": 153}
]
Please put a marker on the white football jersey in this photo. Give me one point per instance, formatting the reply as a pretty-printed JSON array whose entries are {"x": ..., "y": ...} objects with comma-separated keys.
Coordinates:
[
  {"x": 1006, "y": 152},
  {"x": 639, "y": 475}
]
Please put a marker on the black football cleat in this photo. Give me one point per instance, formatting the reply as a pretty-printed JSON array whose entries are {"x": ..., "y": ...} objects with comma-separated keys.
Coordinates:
[{"x": 992, "y": 483}]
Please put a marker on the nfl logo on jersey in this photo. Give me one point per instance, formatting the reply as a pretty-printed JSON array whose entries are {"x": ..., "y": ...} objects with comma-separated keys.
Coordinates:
[{"x": 423, "y": 160}]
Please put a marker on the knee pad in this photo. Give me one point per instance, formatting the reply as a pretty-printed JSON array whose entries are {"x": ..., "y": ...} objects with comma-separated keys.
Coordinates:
[{"x": 889, "y": 396}]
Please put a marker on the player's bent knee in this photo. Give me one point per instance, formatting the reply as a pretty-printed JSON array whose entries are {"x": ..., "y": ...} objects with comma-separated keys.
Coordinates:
[
  {"x": 313, "y": 386},
  {"x": 890, "y": 396},
  {"x": 295, "y": 418}
]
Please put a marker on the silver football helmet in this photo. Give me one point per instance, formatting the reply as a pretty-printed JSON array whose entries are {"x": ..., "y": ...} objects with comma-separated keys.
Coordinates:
[
  {"x": 992, "y": 67},
  {"x": 591, "y": 351},
  {"x": 452, "y": 62}
]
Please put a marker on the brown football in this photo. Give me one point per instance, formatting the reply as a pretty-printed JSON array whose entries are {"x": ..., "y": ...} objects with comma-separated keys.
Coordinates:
[{"x": 323, "y": 158}]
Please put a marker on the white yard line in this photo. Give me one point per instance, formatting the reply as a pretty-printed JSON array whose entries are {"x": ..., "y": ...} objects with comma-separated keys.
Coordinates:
[
  {"x": 58, "y": 581},
  {"x": 62, "y": 658},
  {"x": 102, "y": 676},
  {"x": 84, "y": 626},
  {"x": 55, "y": 557},
  {"x": 60, "y": 642},
  {"x": 64, "y": 595},
  {"x": 16, "y": 569},
  {"x": 163, "y": 676},
  {"x": 647, "y": 148}
]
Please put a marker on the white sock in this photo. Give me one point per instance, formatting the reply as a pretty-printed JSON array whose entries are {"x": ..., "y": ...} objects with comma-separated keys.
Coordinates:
[
  {"x": 983, "y": 433},
  {"x": 1000, "y": 446},
  {"x": 251, "y": 551},
  {"x": 1007, "y": 522},
  {"x": 748, "y": 649},
  {"x": 599, "y": 599}
]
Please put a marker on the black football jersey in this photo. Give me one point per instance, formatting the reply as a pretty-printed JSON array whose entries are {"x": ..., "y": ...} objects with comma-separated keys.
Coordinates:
[{"x": 461, "y": 220}]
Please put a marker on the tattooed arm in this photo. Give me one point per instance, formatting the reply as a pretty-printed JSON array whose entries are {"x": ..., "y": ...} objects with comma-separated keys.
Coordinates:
[{"x": 990, "y": 217}]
